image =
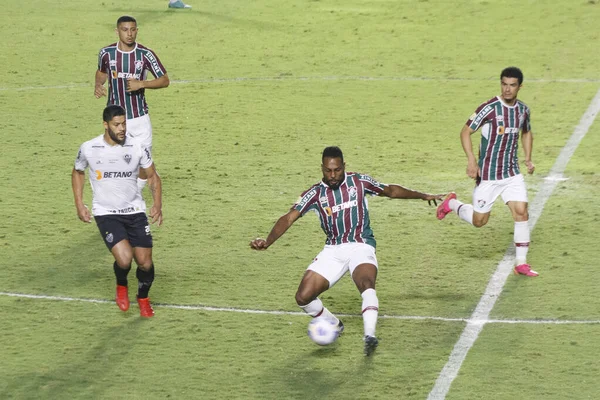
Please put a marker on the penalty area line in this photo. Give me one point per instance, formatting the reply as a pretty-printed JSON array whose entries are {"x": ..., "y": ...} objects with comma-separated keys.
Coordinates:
[
  {"x": 299, "y": 313},
  {"x": 498, "y": 279}
]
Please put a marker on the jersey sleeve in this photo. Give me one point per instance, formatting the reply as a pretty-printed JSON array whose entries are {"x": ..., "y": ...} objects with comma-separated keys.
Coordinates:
[
  {"x": 153, "y": 64},
  {"x": 103, "y": 61},
  {"x": 81, "y": 162},
  {"x": 308, "y": 201},
  {"x": 146, "y": 159},
  {"x": 370, "y": 185},
  {"x": 479, "y": 116},
  {"x": 527, "y": 121}
]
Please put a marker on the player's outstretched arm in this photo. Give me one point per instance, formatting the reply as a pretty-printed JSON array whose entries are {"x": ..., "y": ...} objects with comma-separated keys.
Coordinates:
[
  {"x": 282, "y": 225},
  {"x": 100, "y": 80},
  {"x": 155, "y": 186},
  {"x": 400, "y": 192},
  {"x": 77, "y": 182}
]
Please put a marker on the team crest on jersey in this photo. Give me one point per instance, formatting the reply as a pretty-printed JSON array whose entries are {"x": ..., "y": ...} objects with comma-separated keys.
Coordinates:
[
  {"x": 127, "y": 158},
  {"x": 500, "y": 119},
  {"x": 139, "y": 64},
  {"x": 112, "y": 63},
  {"x": 481, "y": 203},
  {"x": 109, "y": 238},
  {"x": 352, "y": 191}
]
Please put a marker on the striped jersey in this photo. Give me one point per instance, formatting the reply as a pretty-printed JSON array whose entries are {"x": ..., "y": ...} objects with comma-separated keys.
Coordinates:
[
  {"x": 500, "y": 126},
  {"x": 343, "y": 211},
  {"x": 113, "y": 173},
  {"x": 119, "y": 66}
]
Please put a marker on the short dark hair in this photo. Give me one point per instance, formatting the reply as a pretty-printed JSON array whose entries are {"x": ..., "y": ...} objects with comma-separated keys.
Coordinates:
[
  {"x": 126, "y": 18},
  {"x": 112, "y": 111},
  {"x": 333, "y": 152},
  {"x": 512, "y": 72}
]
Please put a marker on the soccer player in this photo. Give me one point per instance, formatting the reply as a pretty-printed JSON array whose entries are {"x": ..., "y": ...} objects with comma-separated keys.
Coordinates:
[
  {"x": 340, "y": 201},
  {"x": 113, "y": 161},
  {"x": 497, "y": 172},
  {"x": 125, "y": 64},
  {"x": 178, "y": 4}
]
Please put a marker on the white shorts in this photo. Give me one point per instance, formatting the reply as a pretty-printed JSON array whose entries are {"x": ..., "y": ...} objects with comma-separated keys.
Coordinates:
[
  {"x": 335, "y": 260},
  {"x": 486, "y": 193},
  {"x": 141, "y": 128}
]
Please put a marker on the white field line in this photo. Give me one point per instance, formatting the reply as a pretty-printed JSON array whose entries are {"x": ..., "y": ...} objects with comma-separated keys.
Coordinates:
[
  {"x": 303, "y": 78},
  {"x": 494, "y": 288},
  {"x": 298, "y": 313}
]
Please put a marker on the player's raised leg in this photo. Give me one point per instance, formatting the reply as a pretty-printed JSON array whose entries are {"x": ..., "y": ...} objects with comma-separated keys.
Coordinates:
[
  {"x": 311, "y": 286},
  {"x": 364, "y": 276}
]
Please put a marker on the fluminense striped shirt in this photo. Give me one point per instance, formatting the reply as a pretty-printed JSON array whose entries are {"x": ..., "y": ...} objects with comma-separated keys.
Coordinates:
[
  {"x": 500, "y": 126},
  {"x": 343, "y": 212},
  {"x": 121, "y": 65}
]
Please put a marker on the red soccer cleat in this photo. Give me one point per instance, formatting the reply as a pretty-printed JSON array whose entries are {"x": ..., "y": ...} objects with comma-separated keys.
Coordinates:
[
  {"x": 146, "y": 310},
  {"x": 122, "y": 298},
  {"x": 524, "y": 269},
  {"x": 444, "y": 208}
]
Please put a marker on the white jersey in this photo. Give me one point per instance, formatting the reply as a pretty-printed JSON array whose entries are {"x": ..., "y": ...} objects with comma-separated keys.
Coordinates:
[{"x": 113, "y": 172}]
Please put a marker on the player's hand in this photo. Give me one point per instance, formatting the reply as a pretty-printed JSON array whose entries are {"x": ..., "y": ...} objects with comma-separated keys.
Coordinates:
[
  {"x": 473, "y": 170},
  {"x": 134, "y": 84},
  {"x": 99, "y": 91},
  {"x": 84, "y": 214},
  {"x": 530, "y": 167},
  {"x": 156, "y": 215},
  {"x": 259, "y": 244},
  {"x": 433, "y": 198}
]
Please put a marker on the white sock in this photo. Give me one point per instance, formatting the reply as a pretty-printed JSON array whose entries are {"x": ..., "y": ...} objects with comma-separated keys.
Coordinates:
[
  {"x": 464, "y": 211},
  {"x": 370, "y": 309},
  {"x": 521, "y": 238},
  {"x": 141, "y": 183},
  {"x": 316, "y": 309}
]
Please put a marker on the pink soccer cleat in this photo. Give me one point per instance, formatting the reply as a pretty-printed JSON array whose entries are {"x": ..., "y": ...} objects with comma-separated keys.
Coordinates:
[
  {"x": 524, "y": 269},
  {"x": 444, "y": 208}
]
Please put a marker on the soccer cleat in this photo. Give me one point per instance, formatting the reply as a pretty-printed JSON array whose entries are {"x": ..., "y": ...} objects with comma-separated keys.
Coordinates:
[
  {"x": 122, "y": 298},
  {"x": 340, "y": 327},
  {"x": 371, "y": 343},
  {"x": 444, "y": 208},
  {"x": 179, "y": 4},
  {"x": 146, "y": 310},
  {"x": 524, "y": 269}
]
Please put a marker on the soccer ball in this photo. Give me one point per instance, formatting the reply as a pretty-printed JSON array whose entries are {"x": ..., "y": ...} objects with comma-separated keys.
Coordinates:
[{"x": 323, "y": 331}]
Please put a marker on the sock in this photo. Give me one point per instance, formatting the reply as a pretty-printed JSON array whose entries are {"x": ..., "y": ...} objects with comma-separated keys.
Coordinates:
[
  {"x": 145, "y": 279},
  {"x": 121, "y": 274},
  {"x": 521, "y": 238},
  {"x": 370, "y": 309},
  {"x": 464, "y": 211},
  {"x": 141, "y": 183},
  {"x": 316, "y": 309}
]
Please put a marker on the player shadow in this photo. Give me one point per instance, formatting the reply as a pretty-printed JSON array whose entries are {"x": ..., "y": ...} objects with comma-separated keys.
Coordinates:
[
  {"x": 305, "y": 377},
  {"x": 87, "y": 377}
]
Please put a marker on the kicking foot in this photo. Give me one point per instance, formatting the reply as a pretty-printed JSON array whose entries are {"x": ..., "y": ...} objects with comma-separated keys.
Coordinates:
[{"x": 444, "y": 208}]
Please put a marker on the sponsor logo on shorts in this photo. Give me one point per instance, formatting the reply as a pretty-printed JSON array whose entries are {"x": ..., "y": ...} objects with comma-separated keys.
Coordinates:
[{"x": 109, "y": 238}]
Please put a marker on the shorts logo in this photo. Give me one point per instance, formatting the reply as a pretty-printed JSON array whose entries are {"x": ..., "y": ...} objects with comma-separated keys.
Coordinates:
[
  {"x": 352, "y": 191},
  {"x": 109, "y": 238},
  {"x": 127, "y": 158},
  {"x": 481, "y": 203},
  {"x": 147, "y": 229}
]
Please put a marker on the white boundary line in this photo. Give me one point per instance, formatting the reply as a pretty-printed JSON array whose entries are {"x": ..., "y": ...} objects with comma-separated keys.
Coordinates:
[
  {"x": 304, "y": 78},
  {"x": 494, "y": 288},
  {"x": 298, "y": 313}
]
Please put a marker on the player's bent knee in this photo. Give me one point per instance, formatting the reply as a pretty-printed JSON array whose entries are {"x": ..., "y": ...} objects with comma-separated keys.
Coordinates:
[{"x": 304, "y": 297}]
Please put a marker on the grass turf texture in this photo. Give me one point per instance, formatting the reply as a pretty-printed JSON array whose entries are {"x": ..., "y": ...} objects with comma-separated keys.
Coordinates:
[{"x": 258, "y": 90}]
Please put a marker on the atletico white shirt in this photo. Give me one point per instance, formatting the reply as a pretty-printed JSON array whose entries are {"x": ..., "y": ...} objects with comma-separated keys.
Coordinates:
[{"x": 113, "y": 172}]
